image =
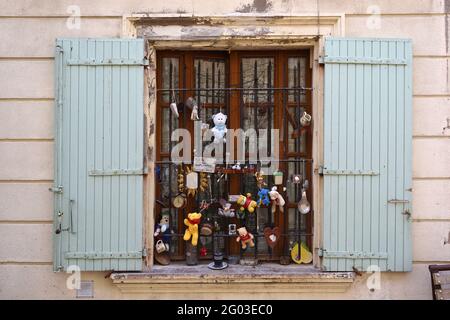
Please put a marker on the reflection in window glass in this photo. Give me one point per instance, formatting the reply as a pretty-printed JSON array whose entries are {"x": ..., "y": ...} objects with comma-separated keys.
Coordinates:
[
  {"x": 167, "y": 116},
  {"x": 210, "y": 73},
  {"x": 296, "y": 143},
  {"x": 170, "y": 77},
  {"x": 257, "y": 73},
  {"x": 296, "y": 78}
]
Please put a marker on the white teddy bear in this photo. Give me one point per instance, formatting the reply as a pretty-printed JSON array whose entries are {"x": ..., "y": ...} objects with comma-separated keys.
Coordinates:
[{"x": 219, "y": 130}]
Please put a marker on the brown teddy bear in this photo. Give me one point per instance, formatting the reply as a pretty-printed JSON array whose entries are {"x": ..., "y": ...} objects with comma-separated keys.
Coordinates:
[
  {"x": 245, "y": 238},
  {"x": 192, "y": 222}
]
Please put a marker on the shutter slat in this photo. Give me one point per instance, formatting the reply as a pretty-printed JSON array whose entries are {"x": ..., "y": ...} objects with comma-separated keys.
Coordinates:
[
  {"x": 367, "y": 139},
  {"x": 101, "y": 127},
  {"x": 342, "y": 154}
]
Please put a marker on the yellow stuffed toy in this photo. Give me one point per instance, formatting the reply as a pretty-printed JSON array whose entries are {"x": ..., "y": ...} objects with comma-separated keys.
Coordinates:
[
  {"x": 192, "y": 222},
  {"x": 247, "y": 203}
]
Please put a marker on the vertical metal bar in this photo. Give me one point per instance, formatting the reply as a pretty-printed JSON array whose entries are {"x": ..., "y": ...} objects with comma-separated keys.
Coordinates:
[
  {"x": 213, "y": 85},
  {"x": 255, "y": 124},
  {"x": 269, "y": 135},
  {"x": 199, "y": 112},
  {"x": 170, "y": 143},
  {"x": 207, "y": 87},
  {"x": 269, "y": 111},
  {"x": 183, "y": 97},
  {"x": 198, "y": 82},
  {"x": 286, "y": 143}
]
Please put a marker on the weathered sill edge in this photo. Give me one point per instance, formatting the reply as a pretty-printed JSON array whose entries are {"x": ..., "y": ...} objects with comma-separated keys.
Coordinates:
[
  {"x": 158, "y": 278},
  {"x": 133, "y": 284}
]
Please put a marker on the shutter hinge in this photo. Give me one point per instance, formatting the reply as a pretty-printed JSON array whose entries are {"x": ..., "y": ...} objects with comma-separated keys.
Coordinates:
[
  {"x": 321, "y": 168},
  {"x": 407, "y": 213},
  {"x": 321, "y": 60},
  {"x": 56, "y": 189},
  {"x": 144, "y": 252},
  {"x": 320, "y": 252}
]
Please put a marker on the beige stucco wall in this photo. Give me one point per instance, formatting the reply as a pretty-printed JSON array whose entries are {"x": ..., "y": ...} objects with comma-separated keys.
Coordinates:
[{"x": 28, "y": 30}]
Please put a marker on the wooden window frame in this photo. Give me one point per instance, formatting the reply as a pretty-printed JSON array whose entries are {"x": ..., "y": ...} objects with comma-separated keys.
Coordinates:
[{"x": 232, "y": 77}]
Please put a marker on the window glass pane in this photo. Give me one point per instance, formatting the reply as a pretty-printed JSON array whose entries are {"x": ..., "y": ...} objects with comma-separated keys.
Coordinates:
[
  {"x": 296, "y": 78},
  {"x": 170, "y": 78},
  {"x": 257, "y": 73},
  {"x": 209, "y": 73},
  {"x": 169, "y": 121},
  {"x": 296, "y": 138},
  {"x": 168, "y": 174}
]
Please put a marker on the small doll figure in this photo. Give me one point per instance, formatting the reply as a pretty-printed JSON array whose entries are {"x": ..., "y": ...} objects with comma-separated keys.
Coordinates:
[
  {"x": 263, "y": 199},
  {"x": 219, "y": 130},
  {"x": 162, "y": 230},
  {"x": 277, "y": 200}
]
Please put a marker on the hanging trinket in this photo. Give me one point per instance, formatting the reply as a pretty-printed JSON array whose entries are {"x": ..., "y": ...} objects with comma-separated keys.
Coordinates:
[
  {"x": 179, "y": 201},
  {"x": 191, "y": 182},
  {"x": 272, "y": 235},
  {"x": 173, "y": 106},
  {"x": 245, "y": 237},
  {"x": 219, "y": 130},
  {"x": 203, "y": 182},
  {"x": 278, "y": 177},
  {"x": 203, "y": 251},
  {"x": 303, "y": 205},
  {"x": 226, "y": 210},
  {"x": 305, "y": 120},
  {"x": 296, "y": 178},
  {"x": 263, "y": 197},
  {"x": 206, "y": 229},
  {"x": 247, "y": 203},
  {"x": 232, "y": 229},
  {"x": 259, "y": 175},
  {"x": 192, "y": 222},
  {"x": 277, "y": 200},
  {"x": 192, "y": 104},
  {"x": 303, "y": 255}
]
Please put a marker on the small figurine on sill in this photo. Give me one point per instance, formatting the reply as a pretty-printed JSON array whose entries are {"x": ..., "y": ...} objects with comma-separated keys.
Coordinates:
[
  {"x": 192, "y": 223},
  {"x": 245, "y": 237},
  {"x": 162, "y": 234},
  {"x": 203, "y": 252},
  {"x": 277, "y": 200},
  {"x": 219, "y": 130},
  {"x": 247, "y": 203},
  {"x": 263, "y": 199},
  {"x": 162, "y": 228}
]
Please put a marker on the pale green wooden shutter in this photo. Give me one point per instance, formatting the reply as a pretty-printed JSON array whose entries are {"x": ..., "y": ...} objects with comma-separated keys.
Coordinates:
[
  {"x": 99, "y": 154},
  {"x": 367, "y": 154}
]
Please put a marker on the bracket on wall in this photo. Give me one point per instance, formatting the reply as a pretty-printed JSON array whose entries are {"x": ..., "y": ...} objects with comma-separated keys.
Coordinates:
[{"x": 56, "y": 189}]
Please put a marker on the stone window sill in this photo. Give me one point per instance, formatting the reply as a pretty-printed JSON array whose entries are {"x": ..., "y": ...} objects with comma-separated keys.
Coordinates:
[{"x": 179, "y": 278}]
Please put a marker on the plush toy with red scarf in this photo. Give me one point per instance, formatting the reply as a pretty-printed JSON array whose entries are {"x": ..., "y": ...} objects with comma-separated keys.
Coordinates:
[
  {"x": 191, "y": 223},
  {"x": 245, "y": 238},
  {"x": 247, "y": 203}
]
